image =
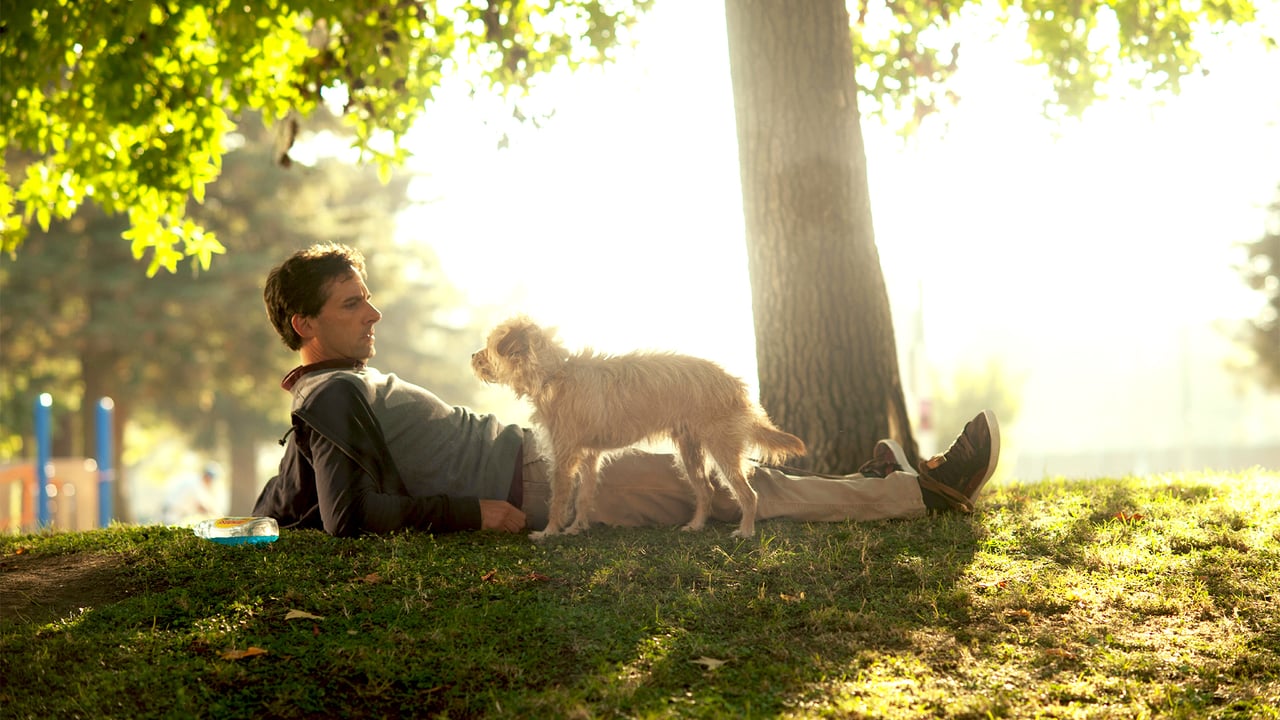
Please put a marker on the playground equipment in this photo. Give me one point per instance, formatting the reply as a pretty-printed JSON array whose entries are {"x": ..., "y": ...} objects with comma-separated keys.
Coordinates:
[{"x": 81, "y": 479}]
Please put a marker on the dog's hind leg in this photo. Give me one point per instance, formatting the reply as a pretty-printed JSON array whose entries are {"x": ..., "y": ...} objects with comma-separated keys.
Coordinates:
[
  {"x": 588, "y": 478},
  {"x": 694, "y": 464},
  {"x": 562, "y": 482},
  {"x": 733, "y": 466}
]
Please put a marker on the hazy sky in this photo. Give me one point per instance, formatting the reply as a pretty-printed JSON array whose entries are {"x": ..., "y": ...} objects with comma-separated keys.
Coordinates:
[{"x": 1091, "y": 258}]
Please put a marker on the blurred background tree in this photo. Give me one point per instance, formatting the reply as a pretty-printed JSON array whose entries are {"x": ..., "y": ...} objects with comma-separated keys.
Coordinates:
[
  {"x": 1261, "y": 272},
  {"x": 991, "y": 386}
]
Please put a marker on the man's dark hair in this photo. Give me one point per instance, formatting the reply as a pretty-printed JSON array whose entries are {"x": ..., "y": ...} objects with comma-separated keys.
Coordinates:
[{"x": 300, "y": 285}]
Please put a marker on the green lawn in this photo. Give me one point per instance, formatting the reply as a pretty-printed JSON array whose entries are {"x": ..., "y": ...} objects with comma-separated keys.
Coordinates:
[{"x": 1136, "y": 597}]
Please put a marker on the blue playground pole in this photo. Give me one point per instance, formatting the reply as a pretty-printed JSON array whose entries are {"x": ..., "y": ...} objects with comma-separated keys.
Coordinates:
[
  {"x": 43, "y": 441},
  {"x": 106, "y": 473}
]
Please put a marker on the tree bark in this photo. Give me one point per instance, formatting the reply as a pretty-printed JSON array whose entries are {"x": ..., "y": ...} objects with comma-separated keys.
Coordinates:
[
  {"x": 244, "y": 464},
  {"x": 825, "y": 344}
]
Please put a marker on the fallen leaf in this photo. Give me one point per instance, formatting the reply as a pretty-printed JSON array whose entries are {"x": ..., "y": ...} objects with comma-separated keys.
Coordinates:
[
  {"x": 301, "y": 615},
  {"x": 791, "y": 598},
  {"x": 372, "y": 578},
  {"x": 708, "y": 663},
  {"x": 1020, "y": 615},
  {"x": 1124, "y": 517},
  {"x": 241, "y": 654},
  {"x": 489, "y": 576},
  {"x": 1060, "y": 653},
  {"x": 993, "y": 583},
  {"x": 536, "y": 577}
]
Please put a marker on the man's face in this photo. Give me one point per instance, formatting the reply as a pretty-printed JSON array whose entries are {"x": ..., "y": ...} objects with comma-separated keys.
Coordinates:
[{"x": 343, "y": 329}]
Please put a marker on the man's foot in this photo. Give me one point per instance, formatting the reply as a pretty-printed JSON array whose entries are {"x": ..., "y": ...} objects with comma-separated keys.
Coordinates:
[
  {"x": 953, "y": 479},
  {"x": 887, "y": 457}
]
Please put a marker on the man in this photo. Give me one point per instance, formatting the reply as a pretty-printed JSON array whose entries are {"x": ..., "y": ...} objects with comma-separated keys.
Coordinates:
[{"x": 369, "y": 452}]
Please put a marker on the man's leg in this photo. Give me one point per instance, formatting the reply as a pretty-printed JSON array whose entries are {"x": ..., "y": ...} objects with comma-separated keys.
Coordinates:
[
  {"x": 852, "y": 497},
  {"x": 641, "y": 489},
  {"x": 648, "y": 489},
  {"x": 644, "y": 488},
  {"x": 633, "y": 489}
]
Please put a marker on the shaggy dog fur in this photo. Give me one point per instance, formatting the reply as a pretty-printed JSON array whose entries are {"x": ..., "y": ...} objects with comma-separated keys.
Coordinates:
[{"x": 588, "y": 404}]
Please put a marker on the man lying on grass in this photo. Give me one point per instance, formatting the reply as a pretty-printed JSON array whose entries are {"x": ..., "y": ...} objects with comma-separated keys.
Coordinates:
[{"x": 370, "y": 452}]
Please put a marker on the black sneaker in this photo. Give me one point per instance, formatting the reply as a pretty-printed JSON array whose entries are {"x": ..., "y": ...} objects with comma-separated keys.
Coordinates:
[
  {"x": 953, "y": 479},
  {"x": 887, "y": 457}
]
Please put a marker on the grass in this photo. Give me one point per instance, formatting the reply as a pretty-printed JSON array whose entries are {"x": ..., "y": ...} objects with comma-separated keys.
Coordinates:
[{"x": 1135, "y": 597}]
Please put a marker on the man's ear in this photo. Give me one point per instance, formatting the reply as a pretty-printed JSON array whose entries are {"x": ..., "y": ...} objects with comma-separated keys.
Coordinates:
[{"x": 301, "y": 325}]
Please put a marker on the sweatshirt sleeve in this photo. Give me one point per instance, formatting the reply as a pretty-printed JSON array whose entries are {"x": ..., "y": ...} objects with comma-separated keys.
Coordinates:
[{"x": 352, "y": 502}]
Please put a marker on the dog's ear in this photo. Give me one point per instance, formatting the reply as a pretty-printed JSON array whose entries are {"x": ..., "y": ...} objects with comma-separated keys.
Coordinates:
[{"x": 515, "y": 343}]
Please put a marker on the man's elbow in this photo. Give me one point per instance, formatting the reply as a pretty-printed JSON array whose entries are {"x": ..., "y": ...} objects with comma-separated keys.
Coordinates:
[
  {"x": 350, "y": 521},
  {"x": 343, "y": 529}
]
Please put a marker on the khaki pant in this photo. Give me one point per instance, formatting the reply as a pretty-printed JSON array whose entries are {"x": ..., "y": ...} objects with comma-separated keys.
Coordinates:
[{"x": 647, "y": 489}]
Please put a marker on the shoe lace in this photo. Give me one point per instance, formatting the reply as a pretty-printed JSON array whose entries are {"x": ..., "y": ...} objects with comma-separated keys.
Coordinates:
[{"x": 948, "y": 493}]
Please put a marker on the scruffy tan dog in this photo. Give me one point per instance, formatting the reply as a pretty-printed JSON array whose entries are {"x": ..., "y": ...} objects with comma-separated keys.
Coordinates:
[{"x": 589, "y": 404}]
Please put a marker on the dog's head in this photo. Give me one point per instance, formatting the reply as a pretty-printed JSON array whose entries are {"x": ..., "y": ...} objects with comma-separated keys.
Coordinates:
[{"x": 519, "y": 354}]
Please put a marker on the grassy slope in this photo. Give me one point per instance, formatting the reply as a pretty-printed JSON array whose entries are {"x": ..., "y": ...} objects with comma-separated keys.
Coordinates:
[{"x": 1134, "y": 597}]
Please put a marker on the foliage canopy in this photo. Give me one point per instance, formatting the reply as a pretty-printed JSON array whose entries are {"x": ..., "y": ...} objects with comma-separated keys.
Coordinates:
[
  {"x": 910, "y": 52},
  {"x": 128, "y": 103}
]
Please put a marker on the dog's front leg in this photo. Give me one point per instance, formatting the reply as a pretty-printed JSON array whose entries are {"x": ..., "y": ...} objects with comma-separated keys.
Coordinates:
[
  {"x": 588, "y": 477},
  {"x": 566, "y": 467}
]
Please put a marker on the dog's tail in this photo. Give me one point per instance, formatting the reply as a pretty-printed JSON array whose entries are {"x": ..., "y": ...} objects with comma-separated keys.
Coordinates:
[{"x": 774, "y": 444}]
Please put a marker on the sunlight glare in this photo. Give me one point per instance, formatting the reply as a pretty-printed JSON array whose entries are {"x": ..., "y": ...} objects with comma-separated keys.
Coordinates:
[{"x": 1093, "y": 256}]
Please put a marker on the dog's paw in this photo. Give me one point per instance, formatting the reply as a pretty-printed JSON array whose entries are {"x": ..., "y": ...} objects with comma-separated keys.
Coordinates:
[
  {"x": 538, "y": 535},
  {"x": 743, "y": 533},
  {"x": 575, "y": 528},
  {"x": 692, "y": 527}
]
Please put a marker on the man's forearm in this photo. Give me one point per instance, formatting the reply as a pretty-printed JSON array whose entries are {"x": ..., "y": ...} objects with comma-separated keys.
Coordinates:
[{"x": 353, "y": 502}]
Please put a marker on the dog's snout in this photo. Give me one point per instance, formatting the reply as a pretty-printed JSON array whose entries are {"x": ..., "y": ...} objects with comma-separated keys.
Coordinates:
[{"x": 480, "y": 364}]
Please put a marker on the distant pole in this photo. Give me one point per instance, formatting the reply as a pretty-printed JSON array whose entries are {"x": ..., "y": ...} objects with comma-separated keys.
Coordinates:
[
  {"x": 106, "y": 471},
  {"x": 44, "y": 441}
]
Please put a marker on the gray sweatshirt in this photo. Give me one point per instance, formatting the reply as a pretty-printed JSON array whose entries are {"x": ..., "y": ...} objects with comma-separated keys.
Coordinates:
[{"x": 438, "y": 449}]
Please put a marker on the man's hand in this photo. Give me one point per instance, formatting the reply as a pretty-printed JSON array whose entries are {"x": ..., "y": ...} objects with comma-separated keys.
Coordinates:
[{"x": 501, "y": 515}]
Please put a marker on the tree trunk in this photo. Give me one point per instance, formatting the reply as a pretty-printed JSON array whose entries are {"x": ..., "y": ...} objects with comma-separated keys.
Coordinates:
[
  {"x": 244, "y": 466},
  {"x": 120, "y": 507},
  {"x": 825, "y": 345}
]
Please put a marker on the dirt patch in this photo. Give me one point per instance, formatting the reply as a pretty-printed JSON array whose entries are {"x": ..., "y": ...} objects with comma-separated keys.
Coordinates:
[{"x": 43, "y": 588}]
